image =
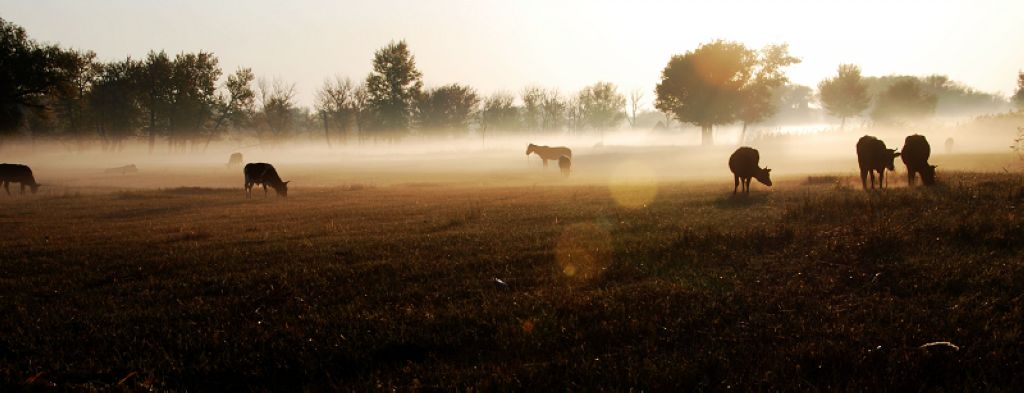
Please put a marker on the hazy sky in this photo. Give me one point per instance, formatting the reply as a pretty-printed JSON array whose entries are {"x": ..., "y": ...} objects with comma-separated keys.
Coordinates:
[{"x": 506, "y": 45}]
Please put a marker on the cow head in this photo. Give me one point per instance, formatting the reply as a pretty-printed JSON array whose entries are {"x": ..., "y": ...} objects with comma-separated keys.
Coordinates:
[
  {"x": 530, "y": 148},
  {"x": 928, "y": 175},
  {"x": 34, "y": 187},
  {"x": 282, "y": 189},
  {"x": 763, "y": 175},
  {"x": 890, "y": 159}
]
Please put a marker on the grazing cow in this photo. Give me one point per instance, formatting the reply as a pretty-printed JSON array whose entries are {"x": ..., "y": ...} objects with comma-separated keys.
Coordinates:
[
  {"x": 264, "y": 174},
  {"x": 17, "y": 173},
  {"x": 949, "y": 145},
  {"x": 548, "y": 153},
  {"x": 872, "y": 156},
  {"x": 235, "y": 160},
  {"x": 122, "y": 169},
  {"x": 743, "y": 164},
  {"x": 565, "y": 164},
  {"x": 915, "y": 156}
]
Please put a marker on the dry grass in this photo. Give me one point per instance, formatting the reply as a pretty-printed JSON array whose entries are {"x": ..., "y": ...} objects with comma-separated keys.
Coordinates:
[{"x": 806, "y": 287}]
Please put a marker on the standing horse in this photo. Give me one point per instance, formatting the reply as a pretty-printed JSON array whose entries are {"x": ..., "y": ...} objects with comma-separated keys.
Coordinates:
[{"x": 549, "y": 153}]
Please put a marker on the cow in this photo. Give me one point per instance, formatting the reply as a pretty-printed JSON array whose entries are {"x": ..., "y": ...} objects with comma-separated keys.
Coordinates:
[
  {"x": 122, "y": 169},
  {"x": 264, "y": 174},
  {"x": 234, "y": 161},
  {"x": 872, "y": 156},
  {"x": 565, "y": 164},
  {"x": 916, "y": 151},
  {"x": 949, "y": 145},
  {"x": 17, "y": 173},
  {"x": 548, "y": 153},
  {"x": 743, "y": 164}
]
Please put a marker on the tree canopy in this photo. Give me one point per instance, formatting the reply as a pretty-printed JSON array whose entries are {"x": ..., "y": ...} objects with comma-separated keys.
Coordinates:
[
  {"x": 904, "y": 99},
  {"x": 846, "y": 94},
  {"x": 392, "y": 87}
]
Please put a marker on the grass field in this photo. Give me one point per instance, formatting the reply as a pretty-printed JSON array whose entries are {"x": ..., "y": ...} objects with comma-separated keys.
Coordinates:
[{"x": 675, "y": 286}]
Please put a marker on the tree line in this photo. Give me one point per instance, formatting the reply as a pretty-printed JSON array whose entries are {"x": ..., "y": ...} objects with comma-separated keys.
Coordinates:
[{"x": 186, "y": 101}]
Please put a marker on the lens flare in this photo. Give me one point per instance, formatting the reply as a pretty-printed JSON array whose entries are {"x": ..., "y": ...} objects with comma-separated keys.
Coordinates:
[{"x": 633, "y": 184}]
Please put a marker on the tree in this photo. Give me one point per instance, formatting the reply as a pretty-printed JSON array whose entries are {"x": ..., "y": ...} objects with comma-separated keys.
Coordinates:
[
  {"x": 532, "y": 111},
  {"x": 704, "y": 86},
  {"x": 756, "y": 96},
  {"x": 1018, "y": 97},
  {"x": 115, "y": 102},
  {"x": 28, "y": 71},
  {"x": 499, "y": 113},
  {"x": 904, "y": 99},
  {"x": 392, "y": 88},
  {"x": 336, "y": 104},
  {"x": 554, "y": 110},
  {"x": 193, "y": 96},
  {"x": 155, "y": 82},
  {"x": 78, "y": 72},
  {"x": 236, "y": 105},
  {"x": 277, "y": 105},
  {"x": 447, "y": 108},
  {"x": 846, "y": 94},
  {"x": 634, "y": 105},
  {"x": 601, "y": 106}
]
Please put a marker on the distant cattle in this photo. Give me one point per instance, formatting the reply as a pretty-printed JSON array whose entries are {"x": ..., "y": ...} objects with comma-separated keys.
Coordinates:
[
  {"x": 565, "y": 164},
  {"x": 17, "y": 173},
  {"x": 949, "y": 145},
  {"x": 743, "y": 164},
  {"x": 122, "y": 169},
  {"x": 548, "y": 153},
  {"x": 874, "y": 157},
  {"x": 235, "y": 160},
  {"x": 916, "y": 151},
  {"x": 264, "y": 174}
]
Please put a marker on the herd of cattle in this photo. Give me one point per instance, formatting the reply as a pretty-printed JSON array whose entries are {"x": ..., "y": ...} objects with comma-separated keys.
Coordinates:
[{"x": 872, "y": 156}]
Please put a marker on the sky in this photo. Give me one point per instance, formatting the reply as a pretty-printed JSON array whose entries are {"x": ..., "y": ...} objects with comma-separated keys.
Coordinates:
[{"x": 507, "y": 45}]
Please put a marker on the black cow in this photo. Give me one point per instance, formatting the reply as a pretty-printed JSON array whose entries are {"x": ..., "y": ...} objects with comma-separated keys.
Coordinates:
[
  {"x": 743, "y": 164},
  {"x": 916, "y": 151},
  {"x": 17, "y": 173},
  {"x": 264, "y": 174},
  {"x": 874, "y": 157}
]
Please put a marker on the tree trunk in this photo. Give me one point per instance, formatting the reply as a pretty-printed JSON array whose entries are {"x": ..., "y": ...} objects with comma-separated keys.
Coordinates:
[
  {"x": 707, "y": 138},
  {"x": 327, "y": 132}
]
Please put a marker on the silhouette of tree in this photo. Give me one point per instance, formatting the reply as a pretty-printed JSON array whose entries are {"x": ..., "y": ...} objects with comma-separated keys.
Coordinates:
[
  {"x": 194, "y": 95},
  {"x": 1018, "y": 97},
  {"x": 634, "y": 106},
  {"x": 756, "y": 96},
  {"x": 574, "y": 114},
  {"x": 846, "y": 94},
  {"x": 155, "y": 80},
  {"x": 277, "y": 107},
  {"x": 336, "y": 104},
  {"x": 392, "y": 88},
  {"x": 601, "y": 106},
  {"x": 553, "y": 108},
  {"x": 532, "y": 111},
  {"x": 77, "y": 74},
  {"x": 499, "y": 113},
  {"x": 705, "y": 86},
  {"x": 904, "y": 99},
  {"x": 115, "y": 102},
  {"x": 28, "y": 71},
  {"x": 447, "y": 108},
  {"x": 236, "y": 105}
]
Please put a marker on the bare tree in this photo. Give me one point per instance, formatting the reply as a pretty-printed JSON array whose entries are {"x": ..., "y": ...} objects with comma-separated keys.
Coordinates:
[
  {"x": 277, "y": 102},
  {"x": 635, "y": 98}
]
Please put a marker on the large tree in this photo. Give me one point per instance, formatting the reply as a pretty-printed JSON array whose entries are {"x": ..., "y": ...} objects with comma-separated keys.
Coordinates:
[
  {"x": 154, "y": 78},
  {"x": 846, "y": 94},
  {"x": 392, "y": 88},
  {"x": 533, "y": 108},
  {"x": 704, "y": 87},
  {"x": 277, "y": 109},
  {"x": 28, "y": 70},
  {"x": 757, "y": 101},
  {"x": 336, "y": 105},
  {"x": 115, "y": 102},
  {"x": 1018, "y": 97},
  {"x": 236, "y": 104},
  {"x": 905, "y": 99},
  {"x": 601, "y": 105},
  {"x": 447, "y": 109},
  {"x": 194, "y": 95}
]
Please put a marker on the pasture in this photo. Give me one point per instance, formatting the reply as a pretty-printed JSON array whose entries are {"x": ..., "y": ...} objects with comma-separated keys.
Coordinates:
[{"x": 375, "y": 284}]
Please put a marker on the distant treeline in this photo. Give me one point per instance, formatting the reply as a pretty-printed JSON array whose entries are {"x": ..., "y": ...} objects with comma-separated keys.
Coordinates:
[{"x": 186, "y": 101}]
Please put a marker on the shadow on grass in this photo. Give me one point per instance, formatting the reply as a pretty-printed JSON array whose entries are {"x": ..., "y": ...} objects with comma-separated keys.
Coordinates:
[{"x": 740, "y": 200}]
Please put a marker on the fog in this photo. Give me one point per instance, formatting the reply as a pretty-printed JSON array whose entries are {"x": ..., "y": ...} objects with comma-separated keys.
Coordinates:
[{"x": 614, "y": 157}]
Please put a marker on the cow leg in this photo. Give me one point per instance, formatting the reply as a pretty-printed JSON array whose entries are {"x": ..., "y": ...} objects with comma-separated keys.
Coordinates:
[
  {"x": 747, "y": 185},
  {"x": 864, "y": 179},
  {"x": 871, "y": 173},
  {"x": 22, "y": 188},
  {"x": 910, "y": 178},
  {"x": 264, "y": 190},
  {"x": 7, "y": 187},
  {"x": 736, "y": 183},
  {"x": 881, "y": 179}
]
